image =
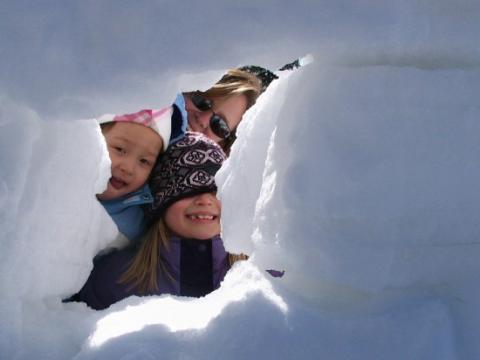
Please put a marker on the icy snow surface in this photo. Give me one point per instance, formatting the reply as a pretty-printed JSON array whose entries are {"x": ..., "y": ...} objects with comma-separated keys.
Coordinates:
[{"x": 358, "y": 175}]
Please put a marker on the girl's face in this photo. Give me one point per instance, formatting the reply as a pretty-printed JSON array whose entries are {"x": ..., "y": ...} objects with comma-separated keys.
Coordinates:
[
  {"x": 133, "y": 150},
  {"x": 195, "y": 217},
  {"x": 231, "y": 109}
]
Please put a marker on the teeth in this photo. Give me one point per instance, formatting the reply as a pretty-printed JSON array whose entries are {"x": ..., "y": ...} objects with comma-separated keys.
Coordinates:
[{"x": 202, "y": 217}]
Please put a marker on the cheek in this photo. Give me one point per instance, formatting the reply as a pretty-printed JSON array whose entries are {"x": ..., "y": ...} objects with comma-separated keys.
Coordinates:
[
  {"x": 176, "y": 225},
  {"x": 114, "y": 160},
  {"x": 211, "y": 135},
  {"x": 174, "y": 218},
  {"x": 145, "y": 172},
  {"x": 111, "y": 154},
  {"x": 236, "y": 121}
]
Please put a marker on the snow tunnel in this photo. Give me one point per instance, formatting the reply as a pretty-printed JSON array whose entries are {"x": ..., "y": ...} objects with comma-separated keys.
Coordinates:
[{"x": 357, "y": 176}]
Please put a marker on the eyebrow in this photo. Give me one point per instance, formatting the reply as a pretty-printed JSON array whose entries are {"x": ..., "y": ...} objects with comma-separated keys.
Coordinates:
[
  {"x": 148, "y": 151},
  {"x": 151, "y": 153}
]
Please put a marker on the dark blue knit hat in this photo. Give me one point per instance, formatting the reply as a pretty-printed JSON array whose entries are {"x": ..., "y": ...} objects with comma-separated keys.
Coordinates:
[
  {"x": 264, "y": 75},
  {"x": 187, "y": 168}
]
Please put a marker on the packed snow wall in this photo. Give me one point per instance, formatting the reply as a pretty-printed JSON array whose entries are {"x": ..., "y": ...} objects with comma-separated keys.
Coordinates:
[{"x": 369, "y": 195}]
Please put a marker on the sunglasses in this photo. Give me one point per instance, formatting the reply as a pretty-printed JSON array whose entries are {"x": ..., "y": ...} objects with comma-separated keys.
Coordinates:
[{"x": 218, "y": 124}]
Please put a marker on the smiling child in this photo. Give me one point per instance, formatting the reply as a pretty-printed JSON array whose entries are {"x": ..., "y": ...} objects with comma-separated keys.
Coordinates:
[{"x": 134, "y": 142}]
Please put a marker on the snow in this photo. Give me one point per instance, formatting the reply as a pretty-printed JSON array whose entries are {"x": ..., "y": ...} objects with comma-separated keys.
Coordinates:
[{"x": 357, "y": 175}]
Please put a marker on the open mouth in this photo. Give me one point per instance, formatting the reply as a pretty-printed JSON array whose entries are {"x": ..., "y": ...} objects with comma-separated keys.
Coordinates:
[{"x": 117, "y": 183}]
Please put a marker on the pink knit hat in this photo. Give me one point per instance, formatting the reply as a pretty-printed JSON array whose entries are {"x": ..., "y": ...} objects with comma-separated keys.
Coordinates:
[{"x": 158, "y": 120}]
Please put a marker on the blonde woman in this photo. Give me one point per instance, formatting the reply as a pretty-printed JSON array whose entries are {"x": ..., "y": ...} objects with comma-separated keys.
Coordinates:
[{"x": 217, "y": 111}]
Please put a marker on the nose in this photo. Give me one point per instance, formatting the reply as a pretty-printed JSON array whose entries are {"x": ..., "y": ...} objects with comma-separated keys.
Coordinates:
[
  {"x": 203, "y": 120},
  {"x": 127, "y": 166},
  {"x": 205, "y": 199}
]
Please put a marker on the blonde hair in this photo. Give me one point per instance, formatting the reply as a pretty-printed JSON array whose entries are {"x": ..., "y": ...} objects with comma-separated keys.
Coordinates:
[
  {"x": 142, "y": 271},
  {"x": 233, "y": 258},
  {"x": 234, "y": 82}
]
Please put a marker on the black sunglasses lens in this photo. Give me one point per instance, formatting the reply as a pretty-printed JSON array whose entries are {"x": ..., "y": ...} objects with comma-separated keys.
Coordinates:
[
  {"x": 200, "y": 102},
  {"x": 219, "y": 127}
]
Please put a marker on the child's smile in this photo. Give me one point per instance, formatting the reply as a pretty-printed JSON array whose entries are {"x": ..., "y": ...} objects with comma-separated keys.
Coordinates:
[
  {"x": 195, "y": 217},
  {"x": 201, "y": 217}
]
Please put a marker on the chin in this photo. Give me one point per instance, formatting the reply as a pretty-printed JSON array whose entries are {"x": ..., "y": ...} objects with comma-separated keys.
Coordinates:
[
  {"x": 103, "y": 196},
  {"x": 205, "y": 236}
]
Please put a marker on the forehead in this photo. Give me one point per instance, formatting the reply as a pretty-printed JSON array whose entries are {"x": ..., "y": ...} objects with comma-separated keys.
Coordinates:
[{"x": 136, "y": 134}]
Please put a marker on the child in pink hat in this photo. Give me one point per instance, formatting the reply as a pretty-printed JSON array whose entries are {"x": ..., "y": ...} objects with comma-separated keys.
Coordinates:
[{"x": 134, "y": 142}]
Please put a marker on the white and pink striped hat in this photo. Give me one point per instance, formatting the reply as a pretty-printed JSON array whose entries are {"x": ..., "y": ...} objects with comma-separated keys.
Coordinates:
[{"x": 158, "y": 120}]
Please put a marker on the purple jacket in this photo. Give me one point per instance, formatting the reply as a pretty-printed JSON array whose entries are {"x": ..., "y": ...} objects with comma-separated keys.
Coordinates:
[{"x": 197, "y": 268}]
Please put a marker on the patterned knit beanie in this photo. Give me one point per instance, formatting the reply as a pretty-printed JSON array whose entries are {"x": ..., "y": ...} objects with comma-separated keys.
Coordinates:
[{"x": 187, "y": 168}]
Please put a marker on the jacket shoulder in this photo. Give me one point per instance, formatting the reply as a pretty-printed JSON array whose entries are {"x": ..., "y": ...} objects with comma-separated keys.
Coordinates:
[{"x": 103, "y": 287}]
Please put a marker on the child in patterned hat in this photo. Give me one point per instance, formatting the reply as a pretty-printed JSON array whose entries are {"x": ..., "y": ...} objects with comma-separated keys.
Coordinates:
[
  {"x": 182, "y": 252},
  {"x": 134, "y": 142}
]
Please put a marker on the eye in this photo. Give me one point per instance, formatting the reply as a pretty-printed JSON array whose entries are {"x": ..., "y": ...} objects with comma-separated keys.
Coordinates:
[
  {"x": 119, "y": 149},
  {"x": 115, "y": 147},
  {"x": 146, "y": 162}
]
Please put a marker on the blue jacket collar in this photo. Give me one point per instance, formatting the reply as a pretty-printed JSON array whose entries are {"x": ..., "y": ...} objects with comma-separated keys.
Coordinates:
[
  {"x": 179, "y": 119},
  {"x": 139, "y": 197}
]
